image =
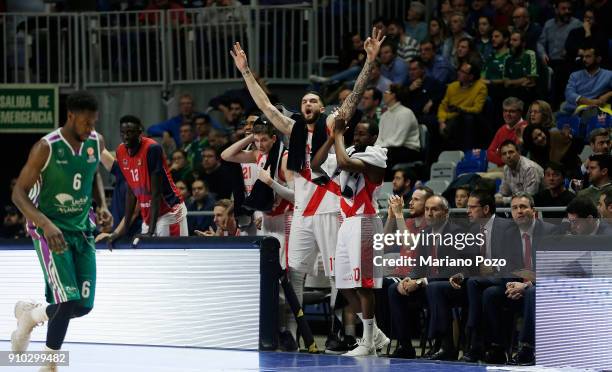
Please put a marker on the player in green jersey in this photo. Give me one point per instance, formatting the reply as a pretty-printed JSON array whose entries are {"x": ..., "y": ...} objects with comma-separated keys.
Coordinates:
[{"x": 54, "y": 191}]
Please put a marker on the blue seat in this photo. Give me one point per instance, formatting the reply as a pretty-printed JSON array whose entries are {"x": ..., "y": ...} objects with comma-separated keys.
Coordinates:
[{"x": 474, "y": 161}]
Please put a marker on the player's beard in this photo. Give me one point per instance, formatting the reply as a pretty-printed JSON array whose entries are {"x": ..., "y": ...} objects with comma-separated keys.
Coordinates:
[{"x": 315, "y": 117}]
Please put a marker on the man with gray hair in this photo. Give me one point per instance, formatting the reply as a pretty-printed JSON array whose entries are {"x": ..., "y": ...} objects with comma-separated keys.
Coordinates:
[
  {"x": 512, "y": 129},
  {"x": 415, "y": 27}
]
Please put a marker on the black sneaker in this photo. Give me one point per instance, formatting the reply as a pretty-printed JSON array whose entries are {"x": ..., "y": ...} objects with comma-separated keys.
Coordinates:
[
  {"x": 286, "y": 342},
  {"x": 335, "y": 345},
  {"x": 524, "y": 357},
  {"x": 404, "y": 352}
]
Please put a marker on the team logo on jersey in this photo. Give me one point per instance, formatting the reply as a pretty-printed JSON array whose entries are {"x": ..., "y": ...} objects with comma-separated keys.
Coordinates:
[
  {"x": 60, "y": 153},
  {"x": 68, "y": 204},
  {"x": 90, "y": 153}
]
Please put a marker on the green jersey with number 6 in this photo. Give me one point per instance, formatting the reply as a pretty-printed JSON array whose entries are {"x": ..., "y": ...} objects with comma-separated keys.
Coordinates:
[{"x": 63, "y": 192}]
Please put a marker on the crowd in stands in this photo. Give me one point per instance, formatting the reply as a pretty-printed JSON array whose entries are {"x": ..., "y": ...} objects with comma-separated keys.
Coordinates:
[{"x": 523, "y": 87}]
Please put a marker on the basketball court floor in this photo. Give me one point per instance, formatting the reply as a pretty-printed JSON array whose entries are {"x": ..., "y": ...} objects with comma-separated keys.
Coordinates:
[{"x": 125, "y": 358}]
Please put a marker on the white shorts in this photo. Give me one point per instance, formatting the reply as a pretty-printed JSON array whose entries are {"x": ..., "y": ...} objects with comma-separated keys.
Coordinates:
[
  {"x": 173, "y": 223},
  {"x": 311, "y": 235},
  {"x": 278, "y": 227},
  {"x": 355, "y": 253}
]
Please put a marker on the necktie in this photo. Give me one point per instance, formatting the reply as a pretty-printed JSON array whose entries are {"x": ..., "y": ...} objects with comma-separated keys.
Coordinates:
[
  {"x": 527, "y": 254},
  {"x": 434, "y": 256}
]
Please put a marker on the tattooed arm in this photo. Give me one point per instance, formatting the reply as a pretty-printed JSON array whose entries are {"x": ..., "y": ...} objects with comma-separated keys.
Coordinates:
[{"x": 371, "y": 46}]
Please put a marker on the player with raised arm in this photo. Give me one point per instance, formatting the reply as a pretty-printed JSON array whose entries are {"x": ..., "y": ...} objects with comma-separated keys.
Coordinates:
[
  {"x": 361, "y": 170},
  {"x": 316, "y": 214},
  {"x": 145, "y": 168},
  {"x": 54, "y": 192}
]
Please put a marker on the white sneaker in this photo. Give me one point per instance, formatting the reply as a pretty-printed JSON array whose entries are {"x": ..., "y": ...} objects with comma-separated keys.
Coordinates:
[
  {"x": 318, "y": 79},
  {"x": 380, "y": 339},
  {"x": 20, "y": 338},
  {"x": 363, "y": 349}
]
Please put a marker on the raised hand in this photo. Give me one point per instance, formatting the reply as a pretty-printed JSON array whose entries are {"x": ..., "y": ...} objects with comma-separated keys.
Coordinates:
[
  {"x": 340, "y": 126},
  {"x": 372, "y": 43},
  {"x": 240, "y": 58}
]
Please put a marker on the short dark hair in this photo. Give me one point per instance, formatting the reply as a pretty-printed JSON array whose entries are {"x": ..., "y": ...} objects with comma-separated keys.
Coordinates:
[
  {"x": 376, "y": 94},
  {"x": 81, "y": 101},
  {"x": 254, "y": 112},
  {"x": 372, "y": 128},
  {"x": 419, "y": 61},
  {"x": 407, "y": 173},
  {"x": 428, "y": 41},
  {"x": 237, "y": 101},
  {"x": 379, "y": 19},
  {"x": 130, "y": 119},
  {"x": 202, "y": 116},
  {"x": 556, "y": 167},
  {"x": 210, "y": 148},
  {"x": 485, "y": 199},
  {"x": 263, "y": 126},
  {"x": 599, "y": 132},
  {"x": 390, "y": 45},
  {"x": 316, "y": 94},
  {"x": 396, "y": 22},
  {"x": 604, "y": 161},
  {"x": 475, "y": 67},
  {"x": 465, "y": 188},
  {"x": 509, "y": 142},
  {"x": 583, "y": 207},
  {"x": 504, "y": 31}
]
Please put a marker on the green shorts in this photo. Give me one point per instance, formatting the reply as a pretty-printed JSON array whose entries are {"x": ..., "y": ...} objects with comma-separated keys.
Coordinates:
[{"x": 70, "y": 275}]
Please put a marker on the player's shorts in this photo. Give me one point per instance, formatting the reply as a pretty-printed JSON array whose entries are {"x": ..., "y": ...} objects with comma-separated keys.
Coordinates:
[
  {"x": 279, "y": 226},
  {"x": 355, "y": 253},
  {"x": 70, "y": 275},
  {"x": 173, "y": 223},
  {"x": 311, "y": 235}
]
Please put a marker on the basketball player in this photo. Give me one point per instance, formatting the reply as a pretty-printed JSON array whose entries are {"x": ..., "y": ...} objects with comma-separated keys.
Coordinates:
[
  {"x": 249, "y": 170},
  {"x": 361, "y": 170},
  {"x": 59, "y": 178},
  {"x": 144, "y": 166},
  {"x": 316, "y": 214}
]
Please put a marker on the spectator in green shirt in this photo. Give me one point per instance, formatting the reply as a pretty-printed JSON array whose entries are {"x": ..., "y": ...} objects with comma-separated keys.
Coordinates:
[
  {"x": 520, "y": 70},
  {"x": 493, "y": 72}
]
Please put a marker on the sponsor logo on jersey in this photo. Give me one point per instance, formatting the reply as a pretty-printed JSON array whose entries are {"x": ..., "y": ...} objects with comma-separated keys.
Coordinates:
[
  {"x": 68, "y": 204},
  {"x": 60, "y": 153},
  {"x": 90, "y": 152}
]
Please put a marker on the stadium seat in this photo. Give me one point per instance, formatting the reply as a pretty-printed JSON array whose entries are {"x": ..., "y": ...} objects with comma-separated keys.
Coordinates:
[
  {"x": 443, "y": 171},
  {"x": 438, "y": 186},
  {"x": 454, "y": 156},
  {"x": 474, "y": 161}
]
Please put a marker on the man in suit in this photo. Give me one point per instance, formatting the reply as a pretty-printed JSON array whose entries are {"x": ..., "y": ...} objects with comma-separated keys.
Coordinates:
[
  {"x": 407, "y": 297},
  {"x": 584, "y": 218},
  {"x": 499, "y": 242},
  {"x": 517, "y": 293}
]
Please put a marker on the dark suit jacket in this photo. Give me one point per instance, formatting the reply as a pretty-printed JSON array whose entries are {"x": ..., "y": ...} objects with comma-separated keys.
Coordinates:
[
  {"x": 505, "y": 244},
  {"x": 444, "y": 250}
]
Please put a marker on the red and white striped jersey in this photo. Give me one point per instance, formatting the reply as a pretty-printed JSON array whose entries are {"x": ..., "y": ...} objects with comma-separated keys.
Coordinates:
[
  {"x": 280, "y": 205},
  {"x": 249, "y": 175},
  {"x": 310, "y": 198},
  {"x": 359, "y": 194}
]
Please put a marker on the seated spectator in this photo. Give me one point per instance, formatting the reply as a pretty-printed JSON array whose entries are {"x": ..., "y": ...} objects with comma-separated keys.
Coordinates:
[
  {"x": 605, "y": 207},
  {"x": 584, "y": 218},
  {"x": 437, "y": 34},
  {"x": 13, "y": 224},
  {"x": 478, "y": 8},
  {"x": 466, "y": 52},
  {"x": 184, "y": 190},
  {"x": 436, "y": 66},
  {"x": 512, "y": 129},
  {"x": 222, "y": 179},
  {"x": 546, "y": 145},
  {"x": 202, "y": 201},
  {"x": 590, "y": 87},
  {"x": 520, "y": 70},
  {"x": 551, "y": 46},
  {"x": 458, "y": 114},
  {"x": 170, "y": 129},
  {"x": 403, "y": 184},
  {"x": 600, "y": 176},
  {"x": 483, "y": 40},
  {"x": 377, "y": 80},
  {"x": 590, "y": 34},
  {"x": 202, "y": 125},
  {"x": 521, "y": 22},
  {"x": 493, "y": 71},
  {"x": 555, "y": 194},
  {"x": 540, "y": 115},
  {"x": 424, "y": 93},
  {"x": 218, "y": 139},
  {"x": 398, "y": 132},
  {"x": 224, "y": 219},
  {"x": 370, "y": 106},
  {"x": 415, "y": 26},
  {"x": 503, "y": 13},
  {"x": 392, "y": 67},
  {"x": 457, "y": 32},
  {"x": 190, "y": 145},
  {"x": 600, "y": 143},
  {"x": 520, "y": 174},
  {"x": 351, "y": 60},
  {"x": 407, "y": 47},
  {"x": 462, "y": 194},
  {"x": 232, "y": 114},
  {"x": 460, "y": 6},
  {"x": 180, "y": 168}
]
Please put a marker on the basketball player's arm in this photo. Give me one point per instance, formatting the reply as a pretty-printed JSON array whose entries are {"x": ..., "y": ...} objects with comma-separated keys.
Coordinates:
[
  {"x": 373, "y": 173},
  {"x": 285, "y": 192},
  {"x": 123, "y": 226},
  {"x": 371, "y": 46},
  {"x": 236, "y": 154},
  {"x": 280, "y": 121},
  {"x": 27, "y": 179},
  {"x": 154, "y": 163},
  {"x": 321, "y": 155}
]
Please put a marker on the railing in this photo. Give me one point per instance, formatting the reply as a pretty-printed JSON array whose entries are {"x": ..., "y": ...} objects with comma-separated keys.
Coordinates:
[{"x": 76, "y": 50}]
